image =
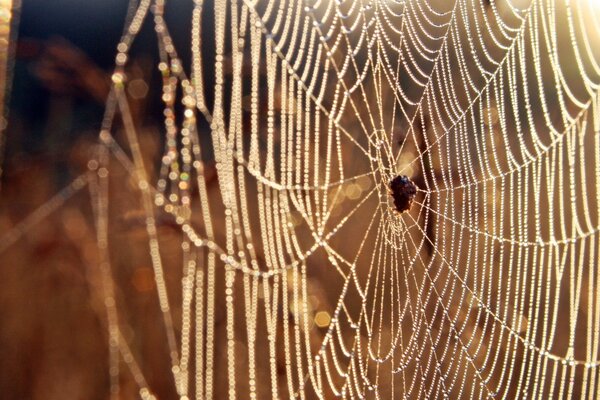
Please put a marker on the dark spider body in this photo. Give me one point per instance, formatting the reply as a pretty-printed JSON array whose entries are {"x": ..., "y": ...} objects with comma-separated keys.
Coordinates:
[{"x": 403, "y": 190}]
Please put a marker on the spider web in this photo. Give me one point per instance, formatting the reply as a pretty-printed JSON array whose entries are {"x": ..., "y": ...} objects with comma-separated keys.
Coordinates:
[{"x": 490, "y": 107}]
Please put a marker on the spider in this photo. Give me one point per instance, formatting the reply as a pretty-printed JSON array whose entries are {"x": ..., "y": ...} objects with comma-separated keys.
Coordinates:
[{"x": 403, "y": 190}]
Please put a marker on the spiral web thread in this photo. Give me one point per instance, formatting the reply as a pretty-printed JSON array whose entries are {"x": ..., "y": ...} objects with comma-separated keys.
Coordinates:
[{"x": 487, "y": 287}]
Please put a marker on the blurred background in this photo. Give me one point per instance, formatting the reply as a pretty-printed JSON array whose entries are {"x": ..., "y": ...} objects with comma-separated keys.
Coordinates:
[{"x": 52, "y": 334}]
